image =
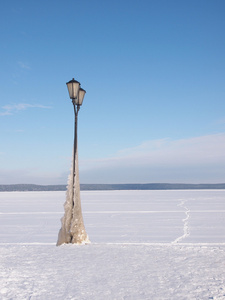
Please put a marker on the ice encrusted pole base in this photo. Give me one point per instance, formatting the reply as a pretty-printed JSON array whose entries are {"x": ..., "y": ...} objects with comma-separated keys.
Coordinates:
[{"x": 73, "y": 230}]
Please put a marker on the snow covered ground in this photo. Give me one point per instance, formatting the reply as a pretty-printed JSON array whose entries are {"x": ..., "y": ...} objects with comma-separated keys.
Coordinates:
[{"x": 145, "y": 245}]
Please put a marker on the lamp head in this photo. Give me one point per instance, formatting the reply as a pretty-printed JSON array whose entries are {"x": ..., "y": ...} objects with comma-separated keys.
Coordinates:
[
  {"x": 73, "y": 88},
  {"x": 81, "y": 95}
]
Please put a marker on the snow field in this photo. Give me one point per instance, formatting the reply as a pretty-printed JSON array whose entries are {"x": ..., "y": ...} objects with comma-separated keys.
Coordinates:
[{"x": 145, "y": 245}]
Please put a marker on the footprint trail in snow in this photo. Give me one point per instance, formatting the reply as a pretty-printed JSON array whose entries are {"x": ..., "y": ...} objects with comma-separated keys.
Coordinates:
[{"x": 186, "y": 228}]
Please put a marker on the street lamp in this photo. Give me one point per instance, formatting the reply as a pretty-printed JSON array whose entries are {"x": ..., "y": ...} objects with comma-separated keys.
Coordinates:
[
  {"x": 75, "y": 91},
  {"x": 73, "y": 230}
]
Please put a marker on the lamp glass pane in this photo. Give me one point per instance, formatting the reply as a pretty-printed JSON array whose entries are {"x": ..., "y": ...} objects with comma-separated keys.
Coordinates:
[
  {"x": 81, "y": 96},
  {"x": 73, "y": 88}
]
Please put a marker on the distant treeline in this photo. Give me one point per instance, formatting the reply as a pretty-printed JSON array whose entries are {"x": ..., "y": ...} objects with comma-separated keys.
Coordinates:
[{"x": 102, "y": 187}]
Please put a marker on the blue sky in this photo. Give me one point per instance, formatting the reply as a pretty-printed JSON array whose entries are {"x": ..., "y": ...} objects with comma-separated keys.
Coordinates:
[{"x": 154, "y": 72}]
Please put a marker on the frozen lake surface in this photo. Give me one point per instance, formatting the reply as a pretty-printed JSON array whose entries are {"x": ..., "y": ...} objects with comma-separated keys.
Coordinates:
[{"x": 145, "y": 245}]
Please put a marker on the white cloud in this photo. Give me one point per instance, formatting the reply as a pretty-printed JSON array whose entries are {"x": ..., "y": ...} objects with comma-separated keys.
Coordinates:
[
  {"x": 5, "y": 113},
  {"x": 23, "y": 65},
  {"x": 11, "y": 109},
  {"x": 204, "y": 149},
  {"x": 193, "y": 160},
  {"x": 199, "y": 159},
  {"x": 221, "y": 121},
  {"x": 31, "y": 176}
]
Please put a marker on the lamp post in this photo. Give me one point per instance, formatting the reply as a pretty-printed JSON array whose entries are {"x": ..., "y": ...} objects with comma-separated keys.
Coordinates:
[
  {"x": 73, "y": 230},
  {"x": 77, "y": 94}
]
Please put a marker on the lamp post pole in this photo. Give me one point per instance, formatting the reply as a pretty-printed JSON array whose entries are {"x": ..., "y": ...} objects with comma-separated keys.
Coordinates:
[
  {"x": 76, "y": 110},
  {"x": 73, "y": 230}
]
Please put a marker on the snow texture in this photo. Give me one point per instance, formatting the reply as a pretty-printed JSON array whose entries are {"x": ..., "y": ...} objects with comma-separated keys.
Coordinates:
[{"x": 145, "y": 245}]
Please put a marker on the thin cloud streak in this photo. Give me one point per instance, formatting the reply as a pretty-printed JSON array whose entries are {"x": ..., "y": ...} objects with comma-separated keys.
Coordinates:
[{"x": 12, "y": 109}]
